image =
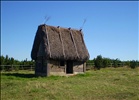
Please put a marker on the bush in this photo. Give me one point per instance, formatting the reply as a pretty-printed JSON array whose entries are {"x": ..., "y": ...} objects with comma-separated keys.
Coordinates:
[{"x": 133, "y": 64}]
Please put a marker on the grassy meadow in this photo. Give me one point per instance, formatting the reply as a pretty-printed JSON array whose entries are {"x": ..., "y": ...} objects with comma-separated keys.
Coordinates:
[{"x": 104, "y": 84}]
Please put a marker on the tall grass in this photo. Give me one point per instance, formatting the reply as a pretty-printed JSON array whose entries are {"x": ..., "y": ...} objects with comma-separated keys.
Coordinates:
[{"x": 105, "y": 84}]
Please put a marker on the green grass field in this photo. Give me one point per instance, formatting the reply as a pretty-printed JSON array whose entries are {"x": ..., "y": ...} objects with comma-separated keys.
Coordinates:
[{"x": 104, "y": 84}]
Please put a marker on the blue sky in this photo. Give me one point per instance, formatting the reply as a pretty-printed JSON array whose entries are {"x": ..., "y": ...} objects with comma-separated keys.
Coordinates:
[{"x": 111, "y": 27}]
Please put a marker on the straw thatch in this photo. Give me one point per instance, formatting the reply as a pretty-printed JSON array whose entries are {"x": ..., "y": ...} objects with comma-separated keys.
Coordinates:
[{"x": 59, "y": 44}]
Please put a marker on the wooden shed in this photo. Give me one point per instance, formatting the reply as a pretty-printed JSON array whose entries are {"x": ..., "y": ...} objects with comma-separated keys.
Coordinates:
[{"x": 59, "y": 51}]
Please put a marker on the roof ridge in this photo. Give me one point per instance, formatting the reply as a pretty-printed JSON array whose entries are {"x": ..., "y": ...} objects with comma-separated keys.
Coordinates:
[{"x": 61, "y": 27}]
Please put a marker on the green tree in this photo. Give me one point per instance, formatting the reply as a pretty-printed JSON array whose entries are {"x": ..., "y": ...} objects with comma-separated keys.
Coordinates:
[
  {"x": 2, "y": 60},
  {"x": 6, "y": 60},
  {"x": 12, "y": 60},
  {"x": 106, "y": 62},
  {"x": 98, "y": 62},
  {"x": 116, "y": 63}
]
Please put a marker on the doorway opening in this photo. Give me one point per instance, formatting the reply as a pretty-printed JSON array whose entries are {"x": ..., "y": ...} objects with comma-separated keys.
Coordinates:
[{"x": 69, "y": 67}]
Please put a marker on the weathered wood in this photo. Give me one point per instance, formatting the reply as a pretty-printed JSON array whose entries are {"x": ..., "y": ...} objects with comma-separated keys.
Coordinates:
[
  {"x": 61, "y": 42},
  {"x": 41, "y": 67},
  {"x": 46, "y": 32},
  {"x": 84, "y": 67},
  {"x": 74, "y": 43}
]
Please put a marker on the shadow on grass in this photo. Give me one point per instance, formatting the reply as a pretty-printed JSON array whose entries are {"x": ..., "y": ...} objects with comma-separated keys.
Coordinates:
[{"x": 21, "y": 75}]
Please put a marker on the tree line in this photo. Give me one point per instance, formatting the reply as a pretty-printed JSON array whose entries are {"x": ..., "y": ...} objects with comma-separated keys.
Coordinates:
[
  {"x": 102, "y": 62},
  {"x": 99, "y": 62},
  {"x": 8, "y": 62}
]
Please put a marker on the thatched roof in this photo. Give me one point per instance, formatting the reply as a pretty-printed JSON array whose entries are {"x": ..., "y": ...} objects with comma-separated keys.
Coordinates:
[{"x": 59, "y": 43}]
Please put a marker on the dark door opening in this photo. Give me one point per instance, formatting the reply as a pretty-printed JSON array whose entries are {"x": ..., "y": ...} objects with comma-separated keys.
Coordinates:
[{"x": 69, "y": 67}]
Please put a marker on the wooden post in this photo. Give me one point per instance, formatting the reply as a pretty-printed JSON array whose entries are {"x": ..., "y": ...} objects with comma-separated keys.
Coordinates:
[
  {"x": 12, "y": 67},
  {"x": 31, "y": 67},
  {"x": 84, "y": 67}
]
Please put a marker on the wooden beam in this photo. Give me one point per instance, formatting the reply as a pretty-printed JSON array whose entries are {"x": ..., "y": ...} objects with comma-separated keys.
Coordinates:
[
  {"x": 74, "y": 42},
  {"x": 61, "y": 42}
]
